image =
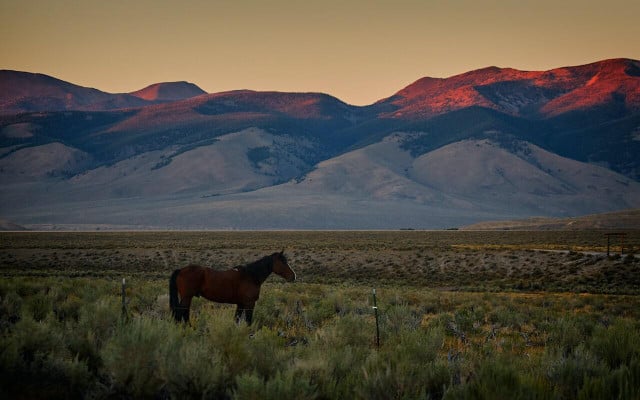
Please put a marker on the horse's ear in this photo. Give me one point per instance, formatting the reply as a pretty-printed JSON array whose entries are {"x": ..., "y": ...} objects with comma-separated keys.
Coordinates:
[{"x": 282, "y": 252}]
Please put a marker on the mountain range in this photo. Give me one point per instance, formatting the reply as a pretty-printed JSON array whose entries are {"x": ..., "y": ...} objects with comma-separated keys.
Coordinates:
[{"x": 490, "y": 144}]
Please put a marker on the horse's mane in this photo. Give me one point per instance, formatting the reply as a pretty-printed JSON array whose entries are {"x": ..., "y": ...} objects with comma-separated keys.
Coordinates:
[{"x": 259, "y": 270}]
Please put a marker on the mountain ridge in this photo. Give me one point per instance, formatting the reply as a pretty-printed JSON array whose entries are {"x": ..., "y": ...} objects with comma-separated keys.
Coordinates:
[
  {"x": 494, "y": 143},
  {"x": 428, "y": 97},
  {"x": 168, "y": 91},
  {"x": 36, "y": 92}
]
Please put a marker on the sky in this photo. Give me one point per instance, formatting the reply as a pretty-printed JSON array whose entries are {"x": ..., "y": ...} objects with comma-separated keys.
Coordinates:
[{"x": 358, "y": 51}]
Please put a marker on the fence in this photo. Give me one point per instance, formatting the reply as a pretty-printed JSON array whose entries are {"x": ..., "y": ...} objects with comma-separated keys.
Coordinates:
[{"x": 620, "y": 236}]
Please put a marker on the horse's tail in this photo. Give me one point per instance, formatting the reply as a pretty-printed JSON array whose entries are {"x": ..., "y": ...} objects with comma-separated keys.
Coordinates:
[{"x": 173, "y": 293}]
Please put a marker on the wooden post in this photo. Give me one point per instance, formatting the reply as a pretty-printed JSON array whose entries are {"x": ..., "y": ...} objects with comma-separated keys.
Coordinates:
[
  {"x": 375, "y": 310},
  {"x": 124, "y": 299},
  {"x": 620, "y": 235}
]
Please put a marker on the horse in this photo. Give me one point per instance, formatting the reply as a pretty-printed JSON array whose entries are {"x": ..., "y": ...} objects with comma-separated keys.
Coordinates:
[{"x": 239, "y": 285}]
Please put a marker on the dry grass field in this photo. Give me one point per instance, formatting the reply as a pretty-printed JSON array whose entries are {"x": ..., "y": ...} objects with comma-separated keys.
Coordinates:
[
  {"x": 462, "y": 315},
  {"x": 451, "y": 260}
]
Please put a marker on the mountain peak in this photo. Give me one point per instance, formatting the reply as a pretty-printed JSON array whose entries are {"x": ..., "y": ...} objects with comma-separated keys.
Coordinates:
[
  {"x": 623, "y": 67},
  {"x": 27, "y": 92},
  {"x": 169, "y": 91},
  {"x": 19, "y": 84},
  {"x": 495, "y": 141},
  {"x": 516, "y": 92}
]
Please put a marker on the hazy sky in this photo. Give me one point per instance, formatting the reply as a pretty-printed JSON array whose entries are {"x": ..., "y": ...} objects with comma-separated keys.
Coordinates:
[{"x": 358, "y": 51}]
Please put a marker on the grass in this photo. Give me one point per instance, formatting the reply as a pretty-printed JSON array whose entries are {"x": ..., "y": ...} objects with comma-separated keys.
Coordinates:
[
  {"x": 470, "y": 261},
  {"x": 492, "y": 338}
]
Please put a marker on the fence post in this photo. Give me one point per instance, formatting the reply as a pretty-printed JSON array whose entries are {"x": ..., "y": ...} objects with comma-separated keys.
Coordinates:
[
  {"x": 375, "y": 310},
  {"x": 124, "y": 299},
  {"x": 621, "y": 236}
]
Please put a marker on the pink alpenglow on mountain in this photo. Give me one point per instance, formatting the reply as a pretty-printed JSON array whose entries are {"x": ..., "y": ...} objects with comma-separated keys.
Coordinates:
[{"x": 169, "y": 91}]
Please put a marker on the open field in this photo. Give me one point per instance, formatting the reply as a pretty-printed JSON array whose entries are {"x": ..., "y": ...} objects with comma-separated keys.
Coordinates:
[
  {"x": 462, "y": 315},
  {"x": 476, "y": 261},
  {"x": 625, "y": 219}
]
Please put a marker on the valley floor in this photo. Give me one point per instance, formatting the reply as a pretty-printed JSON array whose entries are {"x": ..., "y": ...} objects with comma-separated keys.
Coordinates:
[
  {"x": 461, "y": 315},
  {"x": 454, "y": 260}
]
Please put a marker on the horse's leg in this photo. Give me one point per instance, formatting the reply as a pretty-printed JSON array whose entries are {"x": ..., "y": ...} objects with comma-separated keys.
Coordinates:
[
  {"x": 185, "y": 305},
  {"x": 239, "y": 311},
  {"x": 248, "y": 315},
  {"x": 247, "y": 311}
]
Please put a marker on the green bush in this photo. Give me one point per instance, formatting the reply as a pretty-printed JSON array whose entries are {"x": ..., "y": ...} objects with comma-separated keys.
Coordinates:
[
  {"x": 350, "y": 330},
  {"x": 96, "y": 323},
  {"x": 35, "y": 362},
  {"x": 39, "y": 306},
  {"x": 267, "y": 353},
  {"x": 134, "y": 355},
  {"x": 387, "y": 375},
  {"x": 499, "y": 379},
  {"x": 567, "y": 333},
  {"x": 230, "y": 341},
  {"x": 284, "y": 385},
  {"x": 69, "y": 308},
  {"x": 399, "y": 317},
  {"x": 71, "y": 341},
  {"x": 618, "y": 344},
  {"x": 10, "y": 309},
  {"x": 620, "y": 384},
  {"x": 192, "y": 368},
  {"x": 567, "y": 373},
  {"x": 468, "y": 319},
  {"x": 507, "y": 316},
  {"x": 268, "y": 312},
  {"x": 99, "y": 319}
]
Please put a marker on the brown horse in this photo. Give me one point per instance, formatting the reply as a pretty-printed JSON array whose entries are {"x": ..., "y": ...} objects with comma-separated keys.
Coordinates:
[{"x": 240, "y": 285}]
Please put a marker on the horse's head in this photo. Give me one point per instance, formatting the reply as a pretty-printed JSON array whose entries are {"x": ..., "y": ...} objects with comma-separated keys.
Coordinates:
[{"x": 281, "y": 266}]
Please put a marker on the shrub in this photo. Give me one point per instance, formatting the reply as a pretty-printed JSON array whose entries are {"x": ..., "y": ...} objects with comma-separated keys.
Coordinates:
[
  {"x": 228, "y": 339},
  {"x": 39, "y": 306},
  {"x": 69, "y": 308},
  {"x": 332, "y": 304},
  {"x": 31, "y": 339},
  {"x": 285, "y": 385},
  {"x": 95, "y": 324},
  {"x": 268, "y": 311},
  {"x": 192, "y": 369},
  {"x": 568, "y": 372},
  {"x": 71, "y": 341},
  {"x": 99, "y": 319},
  {"x": 399, "y": 317},
  {"x": 419, "y": 346},
  {"x": 622, "y": 383},
  {"x": 10, "y": 309},
  {"x": 389, "y": 375},
  {"x": 469, "y": 319},
  {"x": 567, "y": 333},
  {"x": 618, "y": 344},
  {"x": 350, "y": 330},
  {"x": 35, "y": 362},
  {"x": 267, "y": 353},
  {"x": 498, "y": 379},
  {"x": 133, "y": 356},
  {"x": 506, "y": 316},
  {"x": 142, "y": 298}
]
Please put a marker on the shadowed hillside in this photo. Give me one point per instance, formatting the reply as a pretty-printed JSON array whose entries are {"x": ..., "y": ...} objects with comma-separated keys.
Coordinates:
[{"x": 491, "y": 144}]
